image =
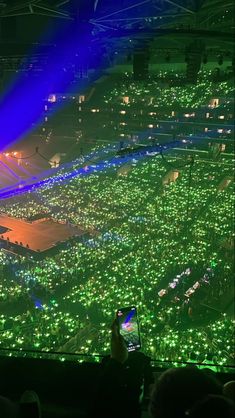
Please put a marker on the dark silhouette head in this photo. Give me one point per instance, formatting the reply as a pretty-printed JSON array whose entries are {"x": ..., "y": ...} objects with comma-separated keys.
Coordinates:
[
  {"x": 177, "y": 390},
  {"x": 8, "y": 409},
  {"x": 229, "y": 390},
  {"x": 215, "y": 406}
]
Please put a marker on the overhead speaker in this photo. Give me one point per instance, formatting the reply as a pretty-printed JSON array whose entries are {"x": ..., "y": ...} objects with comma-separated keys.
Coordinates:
[
  {"x": 140, "y": 65},
  {"x": 193, "y": 54},
  {"x": 8, "y": 29}
]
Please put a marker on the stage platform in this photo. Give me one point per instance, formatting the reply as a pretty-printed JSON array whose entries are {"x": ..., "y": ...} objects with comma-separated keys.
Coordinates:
[{"x": 38, "y": 236}]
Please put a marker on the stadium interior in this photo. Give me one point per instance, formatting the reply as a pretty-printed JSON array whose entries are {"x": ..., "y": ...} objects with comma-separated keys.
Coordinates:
[{"x": 116, "y": 190}]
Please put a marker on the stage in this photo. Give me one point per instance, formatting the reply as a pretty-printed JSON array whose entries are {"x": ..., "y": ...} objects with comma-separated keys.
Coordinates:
[{"x": 38, "y": 236}]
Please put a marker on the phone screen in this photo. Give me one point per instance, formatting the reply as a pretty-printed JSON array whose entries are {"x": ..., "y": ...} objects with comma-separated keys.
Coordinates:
[{"x": 129, "y": 327}]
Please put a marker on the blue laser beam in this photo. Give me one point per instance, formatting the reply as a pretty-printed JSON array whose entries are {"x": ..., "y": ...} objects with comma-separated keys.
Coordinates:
[{"x": 114, "y": 162}]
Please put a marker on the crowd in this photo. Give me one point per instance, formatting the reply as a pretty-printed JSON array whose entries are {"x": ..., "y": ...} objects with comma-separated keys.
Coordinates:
[
  {"x": 122, "y": 108},
  {"x": 147, "y": 235},
  {"x": 160, "y": 93},
  {"x": 122, "y": 385}
]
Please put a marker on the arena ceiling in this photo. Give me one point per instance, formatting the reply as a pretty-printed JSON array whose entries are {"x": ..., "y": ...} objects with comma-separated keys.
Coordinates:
[
  {"x": 23, "y": 21},
  {"x": 126, "y": 13}
]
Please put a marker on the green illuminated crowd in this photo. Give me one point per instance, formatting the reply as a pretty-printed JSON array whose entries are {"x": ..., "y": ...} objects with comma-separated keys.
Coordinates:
[
  {"x": 161, "y": 94},
  {"x": 142, "y": 235}
]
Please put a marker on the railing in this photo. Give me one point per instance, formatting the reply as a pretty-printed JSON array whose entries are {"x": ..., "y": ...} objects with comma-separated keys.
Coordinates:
[{"x": 94, "y": 358}]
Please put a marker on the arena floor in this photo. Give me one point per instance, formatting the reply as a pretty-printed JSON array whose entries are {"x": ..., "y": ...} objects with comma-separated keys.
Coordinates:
[{"x": 39, "y": 235}]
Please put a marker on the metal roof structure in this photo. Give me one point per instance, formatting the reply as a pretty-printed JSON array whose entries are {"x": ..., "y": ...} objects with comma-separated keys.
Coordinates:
[
  {"x": 164, "y": 27},
  {"x": 104, "y": 15},
  {"x": 206, "y": 14}
]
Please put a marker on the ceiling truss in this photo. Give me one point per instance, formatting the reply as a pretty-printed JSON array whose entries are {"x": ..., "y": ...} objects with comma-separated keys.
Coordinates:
[
  {"x": 140, "y": 17},
  {"x": 107, "y": 15}
]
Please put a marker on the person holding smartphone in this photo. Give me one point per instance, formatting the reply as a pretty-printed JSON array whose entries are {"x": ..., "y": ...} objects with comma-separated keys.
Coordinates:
[
  {"x": 121, "y": 384},
  {"x": 119, "y": 351},
  {"x": 127, "y": 321}
]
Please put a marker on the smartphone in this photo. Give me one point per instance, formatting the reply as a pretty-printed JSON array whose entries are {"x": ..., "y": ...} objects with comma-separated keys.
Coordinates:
[{"x": 129, "y": 327}]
